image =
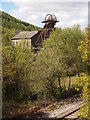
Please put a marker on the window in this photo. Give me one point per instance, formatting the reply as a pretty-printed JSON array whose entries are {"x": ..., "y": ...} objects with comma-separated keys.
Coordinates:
[
  {"x": 13, "y": 43},
  {"x": 27, "y": 44},
  {"x": 16, "y": 43}
]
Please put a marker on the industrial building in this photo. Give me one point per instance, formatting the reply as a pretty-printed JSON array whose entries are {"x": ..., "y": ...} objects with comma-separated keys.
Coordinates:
[{"x": 36, "y": 38}]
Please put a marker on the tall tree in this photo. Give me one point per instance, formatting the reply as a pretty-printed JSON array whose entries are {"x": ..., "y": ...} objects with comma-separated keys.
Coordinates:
[
  {"x": 84, "y": 48},
  {"x": 24, "y": 60},
  {"x": 64, "y": 43},
  {"x": 9, "y": 69}
]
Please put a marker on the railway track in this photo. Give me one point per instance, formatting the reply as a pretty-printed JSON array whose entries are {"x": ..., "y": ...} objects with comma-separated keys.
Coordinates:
[{"x": 69, "y": 113}]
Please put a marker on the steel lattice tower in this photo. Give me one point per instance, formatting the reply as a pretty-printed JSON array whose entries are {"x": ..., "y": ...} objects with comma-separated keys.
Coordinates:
[{"x": 49, "y": 26}]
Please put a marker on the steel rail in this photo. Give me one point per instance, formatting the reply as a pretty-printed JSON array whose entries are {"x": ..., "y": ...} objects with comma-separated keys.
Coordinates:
[{"x": 70, "y": 111}]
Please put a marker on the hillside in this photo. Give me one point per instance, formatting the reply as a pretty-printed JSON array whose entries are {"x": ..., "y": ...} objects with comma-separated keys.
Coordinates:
[
  {"x": 11, "y": 26},
  {"x": 11, "y": 22}
]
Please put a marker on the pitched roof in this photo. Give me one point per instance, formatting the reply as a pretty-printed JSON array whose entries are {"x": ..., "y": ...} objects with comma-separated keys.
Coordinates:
[{"x": 24, "y": 35}]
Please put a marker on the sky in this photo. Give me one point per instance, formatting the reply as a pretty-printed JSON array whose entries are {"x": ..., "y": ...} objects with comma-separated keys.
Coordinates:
[{"x": 68, "y": 12}]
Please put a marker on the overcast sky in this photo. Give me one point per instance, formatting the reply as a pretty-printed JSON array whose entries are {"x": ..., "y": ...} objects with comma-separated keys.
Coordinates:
[{"x": 68, "y": 13}]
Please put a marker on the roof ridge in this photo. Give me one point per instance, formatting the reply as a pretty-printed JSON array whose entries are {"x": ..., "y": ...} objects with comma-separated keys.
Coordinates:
[{"x": 21, "y": 34}]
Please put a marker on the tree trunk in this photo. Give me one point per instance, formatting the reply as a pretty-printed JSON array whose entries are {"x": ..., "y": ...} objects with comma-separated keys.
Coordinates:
[
  {"x": 69, "y": 85},
  {"x": 59, "y": 83},
  {"x": 64, "y": 84},
  {"x": 52, "y": 89},
  {"x": 78, "y": 70}
]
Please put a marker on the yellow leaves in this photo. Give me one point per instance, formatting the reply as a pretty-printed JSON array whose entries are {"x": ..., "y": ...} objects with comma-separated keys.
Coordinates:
[
  {"x": 77, "y": 89},
  {"x": 84, "y": 47},
  {"x": 83, "y": 112},
  {"x": 82, "y": 82}
]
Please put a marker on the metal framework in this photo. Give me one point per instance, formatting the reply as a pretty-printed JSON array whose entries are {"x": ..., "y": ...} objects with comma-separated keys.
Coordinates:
[{"x": 49, "y": 25}]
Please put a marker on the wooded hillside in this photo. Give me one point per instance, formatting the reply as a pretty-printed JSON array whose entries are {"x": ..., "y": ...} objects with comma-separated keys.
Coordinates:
[
  {"x": 12, "y": 26},
  {"x": 11, "y": 22}
]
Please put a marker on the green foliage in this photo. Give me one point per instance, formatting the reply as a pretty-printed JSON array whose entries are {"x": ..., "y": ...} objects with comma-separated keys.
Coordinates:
[
  {"x": 7, "y": 34},
  {"x": 17, "y": 64},
  {"x": 85, "y": 54},
  {"x": 29, "y": 76},
  {"x": 9, "y": 69},
  {"x": 10, "y": 22},
  {"x": 15, "y": 60},
  {"x": 56, "y": 60},
  {"x": 82, "y": 82},
  {"x": 65, "y": 42},
  {"x": 43, "y": 72},
  {"x": 11, "y": 26},
  {"x": 24, "y": 59},
  {"x": 84, "y": 48}
]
